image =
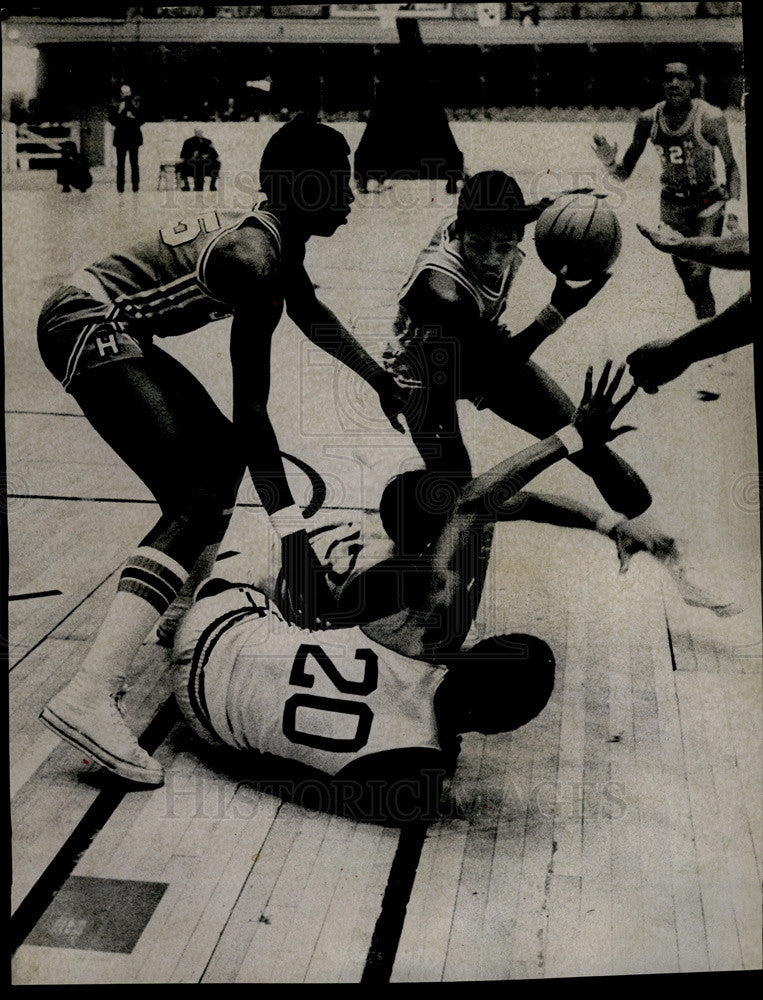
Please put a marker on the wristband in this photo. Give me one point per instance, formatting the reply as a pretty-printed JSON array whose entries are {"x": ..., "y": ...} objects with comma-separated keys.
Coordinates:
[
  {"x": 550, "y": 319},
  {"x": 287, "y": 521},
  {"x": 608, "y": 522},
  {"x": 571, "y": 440}
]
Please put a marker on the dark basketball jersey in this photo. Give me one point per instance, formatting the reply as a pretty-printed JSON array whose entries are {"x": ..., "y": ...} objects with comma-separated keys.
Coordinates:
[
  {"x": 163, "y": 279},
  {"x": 688, "y": 158},
  {"x": 440, "y": 255},
  {"x": 326, "y": 699}
]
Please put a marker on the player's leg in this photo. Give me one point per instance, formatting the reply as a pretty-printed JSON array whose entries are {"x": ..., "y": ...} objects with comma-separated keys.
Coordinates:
[
  {"x": 161, "y": 421},
  {"x": 121, "y": 152},
  {"x": 529, "y": 398},
  {"x": 134, "y": 167},
  {"x": 695, "y": 277},
  {"x": 432, "y": 419}
]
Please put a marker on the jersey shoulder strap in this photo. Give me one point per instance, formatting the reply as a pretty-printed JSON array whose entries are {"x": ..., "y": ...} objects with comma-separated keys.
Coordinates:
[
  {"x": 441, "y": 257},
  {"x": 654, "y": 114}
]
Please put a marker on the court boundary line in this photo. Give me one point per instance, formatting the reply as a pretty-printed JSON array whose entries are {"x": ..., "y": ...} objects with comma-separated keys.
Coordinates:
[
  {"x": 388, "y": 930},
  {"x": 33, "y": 906}
]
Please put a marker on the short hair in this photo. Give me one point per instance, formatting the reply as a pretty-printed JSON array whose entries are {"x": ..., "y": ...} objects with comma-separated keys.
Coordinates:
[
  {"x": 503, "y": 682},
  {"x": 677, "y": 62},
  {"x": 301, "y": 147},
  {"x": 414, "y": 507},
  {"x": 494, "y": 197}
]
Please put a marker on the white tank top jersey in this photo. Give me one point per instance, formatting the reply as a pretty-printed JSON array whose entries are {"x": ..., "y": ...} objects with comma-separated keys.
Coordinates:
[
  {"x": 688, "y": 159},
  {"x": 324, "y": 699},
  {"x": 441, "y": 255},
  {"x": 163, "y": 279}
]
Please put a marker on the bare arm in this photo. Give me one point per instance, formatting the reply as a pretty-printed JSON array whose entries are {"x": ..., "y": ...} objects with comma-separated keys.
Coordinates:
[
  {"x": 717, "y": 132},
  {"x": 323, "y": 328},
  {"x": 439, "y": 622},
  {"x": 730, "y": 252},
  {"x": 608, "y": 153},
  {"x": 250, "y": 360},
  {"x": 661, "y": 361}
]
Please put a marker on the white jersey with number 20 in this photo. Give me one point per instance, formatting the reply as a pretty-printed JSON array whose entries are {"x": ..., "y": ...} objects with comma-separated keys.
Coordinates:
[{"x": 325, "y": 699}]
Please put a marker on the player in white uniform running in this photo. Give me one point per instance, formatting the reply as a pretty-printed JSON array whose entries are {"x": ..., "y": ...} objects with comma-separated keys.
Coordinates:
[
  {"x": 96, "y": 336},
  {"x": 364, "y": 703},
  {"x": 685, "y": 131}
]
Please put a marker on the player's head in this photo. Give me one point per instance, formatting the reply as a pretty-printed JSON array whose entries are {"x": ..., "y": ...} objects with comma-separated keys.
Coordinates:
[
  {"x": 414, "y": 507},
  {"x": 491, "y": 219},
  {"x": 677, "y": 83},
  {"x": 499, "y": 685},
  {"x": 305, "y": 172}
]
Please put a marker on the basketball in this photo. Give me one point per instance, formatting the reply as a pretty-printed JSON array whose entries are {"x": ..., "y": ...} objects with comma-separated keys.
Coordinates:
[{"x": 580, "y": 233}]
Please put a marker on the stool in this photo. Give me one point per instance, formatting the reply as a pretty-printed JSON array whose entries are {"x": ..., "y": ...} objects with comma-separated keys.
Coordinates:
[{"x": 167, "y": 170}]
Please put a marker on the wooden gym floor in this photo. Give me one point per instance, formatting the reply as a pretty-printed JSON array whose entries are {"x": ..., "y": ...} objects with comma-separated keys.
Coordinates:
[{"x": 619, "y": 832}]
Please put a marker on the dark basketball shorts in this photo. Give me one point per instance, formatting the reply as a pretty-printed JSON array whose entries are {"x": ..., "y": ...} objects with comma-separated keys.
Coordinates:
[
  {"x": 695, "y": 215},
  {"x": 77, "y": 333}
]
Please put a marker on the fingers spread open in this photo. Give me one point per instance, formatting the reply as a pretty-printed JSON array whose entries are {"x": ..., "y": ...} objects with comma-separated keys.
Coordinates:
[
  {"x": 604, "y": 378},
  {"x": 627, "y": 397},
  {"x": 610, "y": 393},
  {"x": 588, "y": 385}
]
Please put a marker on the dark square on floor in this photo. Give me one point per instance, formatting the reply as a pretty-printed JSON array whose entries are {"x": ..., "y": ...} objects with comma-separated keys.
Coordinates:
[{"x": 98, "y": 914}]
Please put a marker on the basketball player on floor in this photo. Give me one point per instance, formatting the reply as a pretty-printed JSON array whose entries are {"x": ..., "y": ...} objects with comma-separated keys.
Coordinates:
[
  {"x": 374, "y": 563},
  {"x": 450, "y": 345},
  {"x": 686, "y": 131},
  {"x": 660, "y": 361},
  {"x": 375, "y": 702},
  {"x": 96, "y": 337}
]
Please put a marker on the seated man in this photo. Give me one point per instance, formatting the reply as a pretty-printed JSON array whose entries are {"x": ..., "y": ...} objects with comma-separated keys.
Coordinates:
[
  {"x": 73, "y": 170},
  {"x": 199, "y": 159},
  {"x": 387, "y": 699}
]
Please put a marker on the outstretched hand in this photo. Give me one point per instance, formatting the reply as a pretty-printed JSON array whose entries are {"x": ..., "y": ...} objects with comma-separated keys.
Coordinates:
[
  {"x": 631, "y": 537},
  {"x": 569, "y": 299},
  {"x": 661, "y": 237},
  {"x": 654, "y": 364},
  {"x": 598, "y": 409},
  {"x": 605, "y": 151}
]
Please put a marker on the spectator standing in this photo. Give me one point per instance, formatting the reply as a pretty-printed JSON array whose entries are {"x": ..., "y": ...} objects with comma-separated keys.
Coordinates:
[{"x": 127, "y": 118}]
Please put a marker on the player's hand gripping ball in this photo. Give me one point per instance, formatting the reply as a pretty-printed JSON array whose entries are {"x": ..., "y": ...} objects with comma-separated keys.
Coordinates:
[{"x": 578, "y": 237}]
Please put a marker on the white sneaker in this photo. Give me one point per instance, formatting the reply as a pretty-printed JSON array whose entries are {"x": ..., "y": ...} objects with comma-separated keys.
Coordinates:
[{"x": 92, "y": 722}]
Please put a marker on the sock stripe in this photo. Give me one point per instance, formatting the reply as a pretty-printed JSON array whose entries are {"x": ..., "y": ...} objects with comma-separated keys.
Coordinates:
[
  {"x": 156, "y": 569},
  {"x": 159, "y": 558},
  {"x": 157, "y": 600},
  {"x": 151, "y": 580}
]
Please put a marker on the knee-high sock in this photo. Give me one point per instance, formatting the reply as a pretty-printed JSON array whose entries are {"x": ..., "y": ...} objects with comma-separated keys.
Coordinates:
[{"x": 147, "y": 585}]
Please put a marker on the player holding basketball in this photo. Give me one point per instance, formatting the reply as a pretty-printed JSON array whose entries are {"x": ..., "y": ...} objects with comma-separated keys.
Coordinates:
[
  {"x": 376, "y": 701},
  {"x": 449, "y": 344},
  {"x": 686, "y": 131},
  {"x": 96, "y": 336}
]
